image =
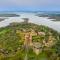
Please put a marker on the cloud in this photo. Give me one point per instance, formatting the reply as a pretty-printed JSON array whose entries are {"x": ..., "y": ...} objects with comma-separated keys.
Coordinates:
[{"x": 27, "y": 2}]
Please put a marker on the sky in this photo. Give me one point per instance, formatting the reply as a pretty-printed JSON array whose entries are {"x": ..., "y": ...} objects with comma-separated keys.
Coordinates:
[{"x": 29, "y": 5}]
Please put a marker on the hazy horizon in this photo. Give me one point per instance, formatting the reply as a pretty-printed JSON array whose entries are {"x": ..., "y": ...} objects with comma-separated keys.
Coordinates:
[{"x": 30, "y": 5}]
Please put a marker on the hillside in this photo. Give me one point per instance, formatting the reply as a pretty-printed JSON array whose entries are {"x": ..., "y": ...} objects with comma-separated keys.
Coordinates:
[{"x": 28, "y": 41}]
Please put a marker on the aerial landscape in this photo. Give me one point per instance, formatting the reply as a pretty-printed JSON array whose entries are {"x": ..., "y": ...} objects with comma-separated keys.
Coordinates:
[
  {"x": 26, "y": 40},
  {"x": 30, "y": 30}
]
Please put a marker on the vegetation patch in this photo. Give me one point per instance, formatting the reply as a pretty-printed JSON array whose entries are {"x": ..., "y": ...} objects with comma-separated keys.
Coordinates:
[{"x": 28, "y": 41}]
